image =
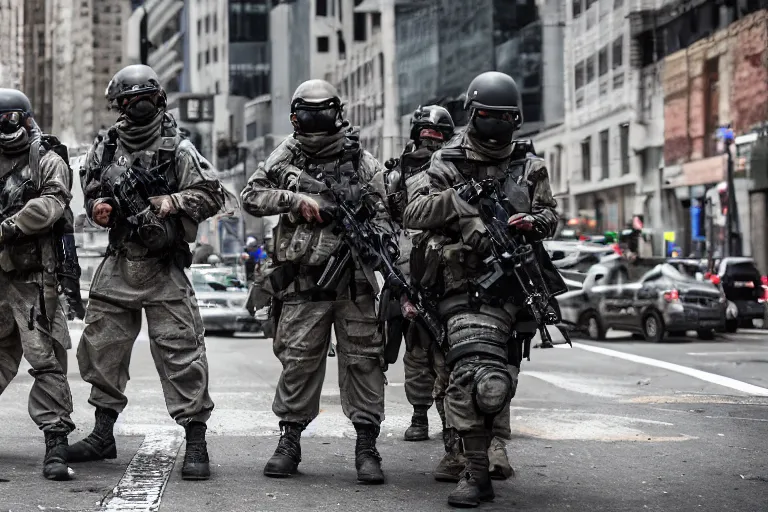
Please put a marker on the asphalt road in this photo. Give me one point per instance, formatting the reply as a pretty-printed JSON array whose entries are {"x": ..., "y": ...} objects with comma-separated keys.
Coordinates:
[{"x": 595, "y": 428}]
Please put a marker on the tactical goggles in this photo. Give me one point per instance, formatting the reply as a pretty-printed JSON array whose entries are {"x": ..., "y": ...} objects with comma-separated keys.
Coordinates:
[
  {"x": 125, "y": 101},
  {"x": 316, "y": 117},
  {"x": 500, "y": 115},
  {"x": 11, "y": 121}
]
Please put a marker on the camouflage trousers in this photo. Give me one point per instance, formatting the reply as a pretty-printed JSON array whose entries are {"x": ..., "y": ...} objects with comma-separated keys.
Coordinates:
[
  {"x": 301, "y": 344},
  {"x": 44, "y": 347},
  {"x": 120, "y": 290}
]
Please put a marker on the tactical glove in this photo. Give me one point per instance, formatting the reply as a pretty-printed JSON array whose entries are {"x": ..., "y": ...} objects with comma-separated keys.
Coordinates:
[
  {"x": 9, "y": 231},
  {"x": 392, "y": 163},
  {"x": 468, "y": 193},
  {"x": 307, "y": 207},
  {"x": 164, "y": 205}
]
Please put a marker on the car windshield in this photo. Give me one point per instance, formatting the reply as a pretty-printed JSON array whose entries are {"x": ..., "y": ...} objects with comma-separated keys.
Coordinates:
[{"x": 745, "y": 270}]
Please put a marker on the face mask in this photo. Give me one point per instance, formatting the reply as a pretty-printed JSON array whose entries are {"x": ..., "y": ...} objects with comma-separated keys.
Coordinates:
[
  {"x": 496, "y": 131},
  {"x": 315, "y": 121},
  {"x": 11, "y": 143},
  {"x": 141, "y": 111}
]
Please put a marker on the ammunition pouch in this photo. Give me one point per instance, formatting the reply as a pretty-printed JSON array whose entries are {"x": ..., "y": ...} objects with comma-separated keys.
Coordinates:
[
  {"x": 26, "y": 255},
  {"x": 155, "y": 233}
]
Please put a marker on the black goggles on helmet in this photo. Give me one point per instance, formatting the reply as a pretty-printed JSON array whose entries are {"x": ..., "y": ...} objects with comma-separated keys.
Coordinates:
[
  {"x": 11, "y": 121},
  {"x": 125, "y": 101},
  {"x": 510, "y": 116},
  {"x": 316, "y": 117}
]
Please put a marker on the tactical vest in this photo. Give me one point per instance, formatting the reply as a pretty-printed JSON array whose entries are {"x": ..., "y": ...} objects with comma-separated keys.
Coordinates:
[{"x": 309, "y": 244}]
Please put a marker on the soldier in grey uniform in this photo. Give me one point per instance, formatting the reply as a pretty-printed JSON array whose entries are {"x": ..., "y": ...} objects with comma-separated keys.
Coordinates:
[
  {"x": 318, "y": 280},
  {"x": 35, "y": 190},
  {"x": 483, "y": 365},
  {"x": 431, "y": 127},
  {"x": 151, "y": 188}
]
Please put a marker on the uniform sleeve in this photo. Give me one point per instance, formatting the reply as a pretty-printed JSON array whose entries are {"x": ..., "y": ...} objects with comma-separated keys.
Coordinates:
[
  {"x": 39, "y": 214},
  {"x": 271, "y": 189},
  {"x": 433, "y": 203},
  {"x": 377, "y": 191},
  {"x": 90, "y": 179},
  {"x": 543, "y": 204},
  {"x": 201, "y": 194}
]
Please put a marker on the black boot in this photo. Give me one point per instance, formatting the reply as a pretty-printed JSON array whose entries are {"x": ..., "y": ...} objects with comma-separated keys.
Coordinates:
[
  {"x": 285, "y": 461},
  {"x": 55, "y": 462},
  {"x": 419, "y": 429},
  {"x": 367, "y": 458},
  {"x": 196, "y": 463},
  {"x": 100, "y": 444},
  {"x": 475, "y": 486}
]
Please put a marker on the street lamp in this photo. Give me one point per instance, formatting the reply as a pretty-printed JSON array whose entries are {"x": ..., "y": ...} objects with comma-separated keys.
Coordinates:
[{"x": 726, "y": 137}]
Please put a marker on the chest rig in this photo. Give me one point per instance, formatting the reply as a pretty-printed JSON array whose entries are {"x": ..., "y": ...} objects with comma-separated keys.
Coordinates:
[{"x": 130, "y": 179}]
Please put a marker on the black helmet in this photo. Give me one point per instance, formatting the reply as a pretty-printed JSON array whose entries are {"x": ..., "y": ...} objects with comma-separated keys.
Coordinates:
[
  {"x": 495, "y": 107},
  {"x": 432, "y": 117},
  {"x": 15, "y": 109},
  {"x": 135, "y": 91},
  {"x": 316, "y": 108}
]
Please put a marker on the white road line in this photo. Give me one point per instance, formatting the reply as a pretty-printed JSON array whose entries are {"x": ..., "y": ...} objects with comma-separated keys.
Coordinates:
[
  {"x": 737, "y": 353},
  {"x": 691, "y": 372},
  {"x": 144, "y": 481}
]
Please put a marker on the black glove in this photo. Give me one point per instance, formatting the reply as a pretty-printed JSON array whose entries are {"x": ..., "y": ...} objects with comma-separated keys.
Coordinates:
[
  {"x": 468, "y": 193},
  {"x": 392, "y": 163},
  {"x": 9, "y": 231}
]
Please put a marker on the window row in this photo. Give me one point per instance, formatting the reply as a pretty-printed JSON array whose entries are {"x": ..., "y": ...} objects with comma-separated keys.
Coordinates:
[
  {"x": 586, "y": 70},
  {"x": 207, "y": 23},
  {"x": 204, "y": 58},
  {"x": 605, "y": 154},
  {"x": 579, "y": 7}
]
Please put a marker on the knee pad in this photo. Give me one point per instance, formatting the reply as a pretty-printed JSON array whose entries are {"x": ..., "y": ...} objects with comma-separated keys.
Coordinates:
[{"x": 491, "y": 390}]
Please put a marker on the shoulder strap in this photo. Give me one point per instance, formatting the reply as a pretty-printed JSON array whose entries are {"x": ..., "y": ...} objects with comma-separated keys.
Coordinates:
[{"x": 453, "y": 154}]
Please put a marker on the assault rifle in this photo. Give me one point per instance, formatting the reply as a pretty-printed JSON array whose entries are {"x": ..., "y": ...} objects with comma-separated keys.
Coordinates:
[
  {"x": 512, "y": 256},
  {"x": 381, "y": 251}
]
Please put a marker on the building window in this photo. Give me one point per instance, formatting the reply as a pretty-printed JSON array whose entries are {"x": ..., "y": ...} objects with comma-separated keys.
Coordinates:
[
  {"x": 323, "y": 45},
  {"x": 576, "y": 8},
  {"x": 376, "y": 19},
  {"x": 602, "y": 61},
  {"x": 586, "y": 159},
  {"x": 617, "y": 4},
  {"x": 207, "y": 24},
  {"x": 605, "y": 169},
  {"x": 215, "y": 22},
  {"x": 216, "y": 54},
  {"x": 341, "y": 44},
  {"x": 590, "y": 3},
  {"x": 207, "y": 56},
  {"x": 590, "y": 68},
  {"x": 341, "y": 11},
  {"x": 578, "y": 79},
  {"x": 199, "y": 27},
  {"x": 618, "y": 48},
  {"x": 218, "y": 87},
  {"x": 248, "y": 21},
  {"x": 199, "y": 60},
  {"x": 321, "y": 7},
  {"x": 359, "y": 27},
  {"x": 624, "y": 143}
]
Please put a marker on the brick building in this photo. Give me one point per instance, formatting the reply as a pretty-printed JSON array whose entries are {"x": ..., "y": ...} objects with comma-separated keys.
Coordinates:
[{"x": 717, "y": 79}]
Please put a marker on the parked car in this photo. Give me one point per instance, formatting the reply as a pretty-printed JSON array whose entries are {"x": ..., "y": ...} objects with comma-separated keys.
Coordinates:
[
  {"x": 743, "y": 287},
  {"x": 222, "y": 301},
  {"x": 662, "y": 301}
]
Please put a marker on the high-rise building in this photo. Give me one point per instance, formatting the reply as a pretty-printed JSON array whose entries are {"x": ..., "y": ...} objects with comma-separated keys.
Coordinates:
[{"x": 11, "y": 43}]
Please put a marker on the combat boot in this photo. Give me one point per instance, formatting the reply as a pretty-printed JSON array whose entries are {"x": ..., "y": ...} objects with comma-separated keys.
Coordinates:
[
  {"x": 452, "y": 464},
  {"x": 367, "y": 458},
  {"x": 500, "y": 468},
  {"x": 419, "y": 429},
  {"x": 285, "y": 461},
  {"x": 100, "y": 444},
  {"x": 55, "y": 462},
  {"x": 475, "y": 485},
  {"x": 196, "y": 463}
]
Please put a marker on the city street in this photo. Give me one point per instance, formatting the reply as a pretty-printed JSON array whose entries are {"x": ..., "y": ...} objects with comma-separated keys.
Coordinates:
[{"x": 682, "y": 427}]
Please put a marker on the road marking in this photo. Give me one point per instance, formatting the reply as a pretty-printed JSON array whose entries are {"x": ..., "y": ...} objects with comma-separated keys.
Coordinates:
[
  {"x": 691, "y": 372},
  {"x": 762, "y": 352},
  {"x": 604, "y": 388},
  {"x": 143, "y": 483}
]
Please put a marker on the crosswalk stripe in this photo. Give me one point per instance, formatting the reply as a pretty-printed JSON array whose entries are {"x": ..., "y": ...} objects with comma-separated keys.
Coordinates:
[{"x": 143, "y": 483}]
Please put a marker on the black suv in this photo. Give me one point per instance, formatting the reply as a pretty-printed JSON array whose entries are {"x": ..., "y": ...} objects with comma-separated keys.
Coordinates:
[{"x": 743, "y": 286}]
